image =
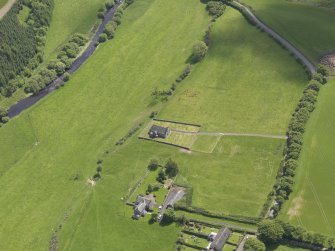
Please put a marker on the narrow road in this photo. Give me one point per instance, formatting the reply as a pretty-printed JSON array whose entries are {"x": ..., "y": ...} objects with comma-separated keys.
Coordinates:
[
  {"x": 272, "y": 136},
  {"x": 291, "y": 48},
  {"x": 25, "y": 103},
  {"x": 6, "y": 8}
]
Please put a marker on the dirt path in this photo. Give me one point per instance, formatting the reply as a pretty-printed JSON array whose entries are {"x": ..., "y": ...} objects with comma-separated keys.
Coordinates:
[
  {"x": 6, "y": 8},
  {"x": 272, "y": 136},
  {"x": 291, "y": 48}
]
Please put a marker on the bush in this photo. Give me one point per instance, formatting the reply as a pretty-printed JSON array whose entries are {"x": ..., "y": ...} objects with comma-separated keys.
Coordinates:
[
  {"x": 215, "y": 9},
  {"x": 59, "y": 68},
  {"x": 161, "y": 176},
  {"x": 199, "y": 51},
  {"x": 323, "y": 70},
  {"x": 253, "y": 244},
  {"x": 171, "y": 168},
  {"x": 101, "y": 15},
  {"x": 153, "y": 165},
  {"x": 66, "y": 77},
  {"x": 102, "y": 37},
  {"x": 169, "y": 216},
  {"x": 109, "y": 4}
]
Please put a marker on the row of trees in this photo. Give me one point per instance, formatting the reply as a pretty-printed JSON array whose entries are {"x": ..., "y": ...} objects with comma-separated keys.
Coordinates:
[
  {"x": 44, "y": 75},
  {"x": 275, "y": 231},
  {"x": 21, "y": 45},
  {"x": 111, "y": 26},
  {"x": 285, "y": 182}
]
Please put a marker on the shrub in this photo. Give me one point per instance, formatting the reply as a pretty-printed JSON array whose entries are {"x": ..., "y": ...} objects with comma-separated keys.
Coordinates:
[
  {"x": 169, "y": 216},
  {"x": 66, "y": 77},
  {"x": 109, "y": 4},
  {"x": 171, "y": 168},
  {"x": 153, "y": 165},
  {"x": 323, "y": 70},
  {"x": 199, "y": 51},
  {"x": 101, "y": 15},
  {"x": 99, "y": 169},
  {"x": 59, "y": 68},
  {"x": 253, "y": 244},
  {"x": 102, "y": 37},
  {"x": 215, "y": 9},
  {"x": 161, "y": 176}
]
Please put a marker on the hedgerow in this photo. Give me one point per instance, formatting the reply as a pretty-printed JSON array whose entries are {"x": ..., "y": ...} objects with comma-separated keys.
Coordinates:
[{"x": 285, "y": 180}]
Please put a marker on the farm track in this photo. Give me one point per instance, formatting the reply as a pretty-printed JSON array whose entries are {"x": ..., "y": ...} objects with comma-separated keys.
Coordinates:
[
  {"x": 6, "y": 8},
  {"x": 272, "y": 136},
  {"x": 290, "y": 47},
  {"x": 25, "y": 103}
]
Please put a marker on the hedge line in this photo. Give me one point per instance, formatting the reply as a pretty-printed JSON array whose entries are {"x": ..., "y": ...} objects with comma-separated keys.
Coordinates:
[
  {"x": 285, "y": 180},
  {"x": 204, "y": 212}
]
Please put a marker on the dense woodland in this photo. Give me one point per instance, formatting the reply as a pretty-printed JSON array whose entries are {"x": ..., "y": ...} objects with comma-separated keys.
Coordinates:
[{"x": 21, "y": 43}]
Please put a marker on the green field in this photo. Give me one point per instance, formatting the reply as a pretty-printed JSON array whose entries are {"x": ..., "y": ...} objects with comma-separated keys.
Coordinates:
[
  {"x": 205, "y": 143},
  {"x": 246, "y": 83},
  {"x": 314, "y": 35},
  {"x": 77, "y": 123},
  {"x": 312, "y": 203},
  {"x": 236, "y": 177},
  {"x": 70, "y": 17}
]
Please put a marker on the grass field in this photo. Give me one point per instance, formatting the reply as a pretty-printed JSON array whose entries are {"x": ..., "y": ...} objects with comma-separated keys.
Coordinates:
[
  {"x": 246, "y": 83},
  {"x": 314, "y": 35},
  {"x": 205, "y": 143},
  {"x": 75, "y": 125},
  {"x": 70, "y": 17},
  {"x": 236, "y": 177},
  {"x": 312, "y": 204}
]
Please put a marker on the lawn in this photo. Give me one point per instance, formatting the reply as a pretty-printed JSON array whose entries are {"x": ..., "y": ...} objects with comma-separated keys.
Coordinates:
[
  {"x": 45, "y": 186},
  {"x": 246, "y": 83},
  {"x": 312, "y": 203},
  {"x": 70, "y": 17},
  {"x": 314, "y": 35}
]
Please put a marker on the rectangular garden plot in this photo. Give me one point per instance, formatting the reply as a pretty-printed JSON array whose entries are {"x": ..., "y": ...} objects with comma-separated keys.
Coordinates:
[{"x": 171, "y": 133}]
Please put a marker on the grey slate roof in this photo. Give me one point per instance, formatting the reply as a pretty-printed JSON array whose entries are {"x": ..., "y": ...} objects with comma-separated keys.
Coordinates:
[{"x": 220, "y": 239}]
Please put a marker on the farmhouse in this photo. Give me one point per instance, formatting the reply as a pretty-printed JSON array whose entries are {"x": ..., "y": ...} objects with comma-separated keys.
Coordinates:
[
  {"x": 219, "y": 239},
  {"x": 143, "y": 204},
  {"x": 159, "y": 132}
]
